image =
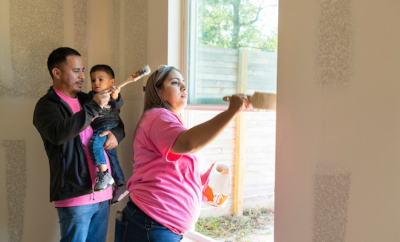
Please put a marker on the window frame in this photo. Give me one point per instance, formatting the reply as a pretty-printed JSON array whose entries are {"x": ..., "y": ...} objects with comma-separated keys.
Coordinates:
[{"x": 189, "y": 43}]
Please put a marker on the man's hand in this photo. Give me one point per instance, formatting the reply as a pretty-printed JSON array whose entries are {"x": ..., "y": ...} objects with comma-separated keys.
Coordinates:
[
  {"x": 102, "y": 98},
  {"x": 111, "y": 141},
  {"x": 114, "y": 92}
]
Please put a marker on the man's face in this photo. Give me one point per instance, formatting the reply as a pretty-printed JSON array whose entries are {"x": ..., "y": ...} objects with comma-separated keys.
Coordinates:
[{"x": 72, "y": 76}]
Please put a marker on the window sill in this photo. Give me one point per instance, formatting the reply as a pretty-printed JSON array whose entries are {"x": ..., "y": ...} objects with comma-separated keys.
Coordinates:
[
  {"x": 211, "y": 107},
  {"x": 195, "y": 236}
]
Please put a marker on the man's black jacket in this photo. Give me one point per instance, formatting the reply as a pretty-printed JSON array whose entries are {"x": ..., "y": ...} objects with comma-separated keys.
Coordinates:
[{"x": 59, "y": 129}]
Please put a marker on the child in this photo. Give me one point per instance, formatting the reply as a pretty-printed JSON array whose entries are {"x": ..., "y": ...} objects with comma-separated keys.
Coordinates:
[{"x": 102, "y": 77}]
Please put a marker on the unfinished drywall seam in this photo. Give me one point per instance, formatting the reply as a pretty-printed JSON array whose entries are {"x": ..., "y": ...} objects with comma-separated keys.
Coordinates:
[
  {"x": 335, "y": 43},
  {"x": 135, "y": 46},
  {"x": 6, "y": 70},
  {"x": 331, "y": 196},
  {"x": 36, "y": 28},
  {"x": 15, "y": 187},
  {"x": 81, "y": 36},
  {"x": 115, "y": 39}
]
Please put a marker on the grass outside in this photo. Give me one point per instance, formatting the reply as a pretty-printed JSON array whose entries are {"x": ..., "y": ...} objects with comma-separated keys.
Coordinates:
[{"x": 232, "y": 228}]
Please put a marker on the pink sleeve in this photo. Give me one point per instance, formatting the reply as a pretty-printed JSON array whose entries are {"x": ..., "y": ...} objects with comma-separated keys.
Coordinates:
[{"x": 163, "y": 133}]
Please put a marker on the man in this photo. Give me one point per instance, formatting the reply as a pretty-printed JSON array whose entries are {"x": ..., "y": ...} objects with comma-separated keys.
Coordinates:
[{"x": 63, "y": 121}]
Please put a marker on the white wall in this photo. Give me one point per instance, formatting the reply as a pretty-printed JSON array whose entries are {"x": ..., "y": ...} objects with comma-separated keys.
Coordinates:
[{"x": 338, "y": 121}]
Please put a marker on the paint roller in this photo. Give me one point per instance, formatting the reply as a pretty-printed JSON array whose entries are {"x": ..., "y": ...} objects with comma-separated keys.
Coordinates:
[
  {"x": 260, "y": 100},
  {"x": 136, "y": 76}
]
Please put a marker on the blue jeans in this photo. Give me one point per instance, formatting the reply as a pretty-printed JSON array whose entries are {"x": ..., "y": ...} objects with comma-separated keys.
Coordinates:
[
  {"x": 139, "y": 227},
  {"x": 96, "y": 151},
  {"x": 84, "y": 223},
  {"x": 116, "y": 170}
]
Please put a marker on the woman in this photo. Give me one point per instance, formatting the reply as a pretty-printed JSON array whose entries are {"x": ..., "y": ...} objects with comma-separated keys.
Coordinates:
[{"x": 165, "y": 188}]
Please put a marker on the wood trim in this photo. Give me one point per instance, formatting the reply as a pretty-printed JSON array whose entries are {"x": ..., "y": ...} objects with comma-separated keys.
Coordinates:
[
  {"x": 239, "y": 165},
  {"x": 242, "y": 70},
  {"x": 240, "y": 135},
  {"x": 184, "y": 38}
]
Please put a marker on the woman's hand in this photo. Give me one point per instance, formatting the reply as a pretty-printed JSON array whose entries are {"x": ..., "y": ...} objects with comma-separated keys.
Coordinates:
[
  {"x": 114, "y": 92},
  {"x": 237, "y": 102}
]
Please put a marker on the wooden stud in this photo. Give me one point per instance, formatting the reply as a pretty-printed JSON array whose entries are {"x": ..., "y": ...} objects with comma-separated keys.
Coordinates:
[
  {"x": 240, "y": 135},
  {"x": 242, "y": 70},
  {"x": 239, "y": 165}
]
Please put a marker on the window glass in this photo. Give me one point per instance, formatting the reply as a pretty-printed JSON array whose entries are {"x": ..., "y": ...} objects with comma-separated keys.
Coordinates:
[{"x": 232, "y": 48}]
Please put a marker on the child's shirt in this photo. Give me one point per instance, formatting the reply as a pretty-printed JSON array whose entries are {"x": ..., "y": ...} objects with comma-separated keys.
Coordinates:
[
  {"x": 85, "y": 135},
  {"x": 109, "y": 114},
  {"x": 166, "y": 186}
]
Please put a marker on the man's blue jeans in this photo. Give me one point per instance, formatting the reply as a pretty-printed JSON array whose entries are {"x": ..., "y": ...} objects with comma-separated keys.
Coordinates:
[
  {"x": 96, "y": 151},
  {"x": 84, "y": 223},
  {"x": 139, "y": 227}
]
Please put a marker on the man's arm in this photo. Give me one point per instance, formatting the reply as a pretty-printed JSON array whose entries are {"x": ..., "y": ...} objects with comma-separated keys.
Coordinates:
[
  {"x": 119, "y": 131},
  {"x": 57, "y": 129},
  {"x": 114, "y": 136}
]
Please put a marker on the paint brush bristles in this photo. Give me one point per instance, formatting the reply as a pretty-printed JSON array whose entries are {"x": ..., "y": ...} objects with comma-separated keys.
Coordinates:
[
  {"x": 136, "y": 76},
  {"x": 266, "y": 101},
  {"x": 261, "y": 101}
]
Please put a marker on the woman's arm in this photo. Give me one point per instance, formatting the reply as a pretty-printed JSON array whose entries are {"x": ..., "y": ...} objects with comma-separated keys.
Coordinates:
[{"x": 199, "y": 136}]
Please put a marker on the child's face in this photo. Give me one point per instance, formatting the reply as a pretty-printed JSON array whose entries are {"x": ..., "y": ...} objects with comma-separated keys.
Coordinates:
[{"x": 101, "y": 81}]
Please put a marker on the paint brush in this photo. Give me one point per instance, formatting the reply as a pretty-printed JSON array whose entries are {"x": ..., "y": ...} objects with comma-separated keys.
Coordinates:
[
  {"x": 260, "y": 100},
  {"x": 136, "y": 76}
]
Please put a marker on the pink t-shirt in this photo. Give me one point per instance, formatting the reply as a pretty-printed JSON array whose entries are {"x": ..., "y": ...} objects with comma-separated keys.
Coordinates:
[
  {"x": 166, "y": 186},
  {"x": 85, "y": 135}
]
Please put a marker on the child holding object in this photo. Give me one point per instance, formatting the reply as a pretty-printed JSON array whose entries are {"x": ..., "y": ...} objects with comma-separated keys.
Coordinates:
[
  {"x": 166, "y": 184},
  {"x": 102, "y": 78}
]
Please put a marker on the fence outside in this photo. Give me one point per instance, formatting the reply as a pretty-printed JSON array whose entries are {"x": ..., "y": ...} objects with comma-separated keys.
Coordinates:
[
  {"x": 259, "y": 159},
  {"x": 222, "y": 72}
]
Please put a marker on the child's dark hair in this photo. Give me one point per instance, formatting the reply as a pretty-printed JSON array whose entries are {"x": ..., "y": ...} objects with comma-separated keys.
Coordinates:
[{"x": 107, "y": 69}]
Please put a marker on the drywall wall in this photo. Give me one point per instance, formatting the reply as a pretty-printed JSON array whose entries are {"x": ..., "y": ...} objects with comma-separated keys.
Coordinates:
[
  {"x": 338, "y": 116},
  {"x": 110, "y": 32}
]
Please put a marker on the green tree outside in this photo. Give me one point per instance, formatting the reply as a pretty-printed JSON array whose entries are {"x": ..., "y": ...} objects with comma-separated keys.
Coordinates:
[{"x": 232, "y": 24}]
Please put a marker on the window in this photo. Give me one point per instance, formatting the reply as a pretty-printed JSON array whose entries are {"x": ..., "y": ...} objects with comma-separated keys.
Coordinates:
[{"x": 232, "y": 48}]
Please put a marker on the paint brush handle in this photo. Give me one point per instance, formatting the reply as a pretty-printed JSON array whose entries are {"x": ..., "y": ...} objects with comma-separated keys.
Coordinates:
[
  {"x": 135, "y": 78},
  {"x": 127, "y": 82},
  {"x": 228, "y": 98},
  {"x": 259, "y": 100}
]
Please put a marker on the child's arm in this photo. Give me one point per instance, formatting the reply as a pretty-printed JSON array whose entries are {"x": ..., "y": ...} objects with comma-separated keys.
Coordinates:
[{"x": 117, "y": 104}]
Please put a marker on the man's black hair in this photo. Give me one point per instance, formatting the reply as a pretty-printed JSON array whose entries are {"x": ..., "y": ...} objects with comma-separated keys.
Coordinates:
[
  {"x": 107, "y": 69},
  {"x": 58, "y": 57}
]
